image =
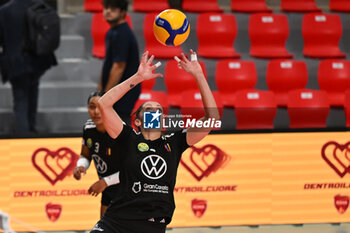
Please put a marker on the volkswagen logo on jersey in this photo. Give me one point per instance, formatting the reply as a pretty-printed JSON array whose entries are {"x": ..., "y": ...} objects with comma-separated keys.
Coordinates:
[
  {"x": 151, "y": 120},
  {"x": 100, "y": 165},
  {"x": 153, "y": 167}
]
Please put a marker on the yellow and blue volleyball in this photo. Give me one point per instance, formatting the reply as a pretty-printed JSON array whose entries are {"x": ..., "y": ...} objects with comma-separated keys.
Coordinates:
[{"x": 171, "y": 27}]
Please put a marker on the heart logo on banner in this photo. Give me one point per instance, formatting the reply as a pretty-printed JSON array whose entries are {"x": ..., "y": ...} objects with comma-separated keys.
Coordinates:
[
  {"x": 54, "y": 165},
  {"x": 341, "y": 203},
  {"x": 205, "y": 160},
  {"x": 53, "y": 211},
  {"x": 199, "y": 207},
  {"x": 337, "y": 157}
]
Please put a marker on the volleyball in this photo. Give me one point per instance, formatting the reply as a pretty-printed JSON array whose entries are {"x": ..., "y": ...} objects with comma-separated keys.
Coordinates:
[{"x": 171, "y": 27}]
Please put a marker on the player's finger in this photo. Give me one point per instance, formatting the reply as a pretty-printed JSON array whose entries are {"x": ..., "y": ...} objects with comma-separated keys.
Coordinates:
[
  {"x": 82, "y": 170},
  {"x": 144, "y": 57},
  {"x": 155, "y": 66},
  {"x": 157, "y": 75},
  {"x": 193, "y": 56},
  {"x": 150, "y": 60},
  {"x": 184, "y": 58},
  {"x": 76, "y": 176},
  {"x": 177, "y": 59}
]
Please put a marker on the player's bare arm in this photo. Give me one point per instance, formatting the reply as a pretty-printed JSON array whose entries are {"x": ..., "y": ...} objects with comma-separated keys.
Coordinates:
[
  {"x": 211, "y": 111},
  {"x": 102, "y": 184},
  {"x": 111, "y": 120}
]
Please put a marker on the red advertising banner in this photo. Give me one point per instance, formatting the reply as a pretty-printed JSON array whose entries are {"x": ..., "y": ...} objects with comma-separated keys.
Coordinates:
[{"x": 243, "y": 179}]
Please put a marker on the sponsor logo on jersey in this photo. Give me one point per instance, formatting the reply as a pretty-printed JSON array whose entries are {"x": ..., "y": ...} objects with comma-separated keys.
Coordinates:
[
  {"x": 100, "y": 165},
  {"x": 155, "y": 188},
  {"x": 136, "y": 188},
  {"x": 153, "y": 167},
  {"x": 167, "y": 147},
  {"x": 142, "y": 147},
  {"x": 108, "y": 151},
  {"x": 89, "y": 142},
  {"x": 151, "y": 120}
]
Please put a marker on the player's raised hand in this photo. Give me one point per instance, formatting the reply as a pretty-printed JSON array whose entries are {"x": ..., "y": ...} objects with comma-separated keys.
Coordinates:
[
  {"x": 77, "y": 172},
  {"x": 192, "y": 67},
  {"x": 146, "y": 69},
  {"x": 97, "y": 187}
]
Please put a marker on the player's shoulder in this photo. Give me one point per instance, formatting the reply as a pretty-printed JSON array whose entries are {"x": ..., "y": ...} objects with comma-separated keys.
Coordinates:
[
  {"x": 130, "y": 130},
  {"x": 89, "y": 125}
]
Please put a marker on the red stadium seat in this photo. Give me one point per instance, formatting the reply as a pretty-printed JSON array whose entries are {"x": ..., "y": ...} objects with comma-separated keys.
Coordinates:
[
  {"x": 321, "y": 33},
  {"x": 216, "y": 33},
  {"x": 307, "y": 108},
  {"x": 283, "y": 76},
  {"x": 148, "y": 85},
  {"x": 268, "y": 34},
  {"x": 152, "y": 45},
  {"x": 99, "y": 29},
  {"x": 249, "y": 6},
  {"x": 192, "y": 105},
  {"x": 299, "y": 5},
  {"x": 177, "y": 81},
  {"x": 201, "y": 6},
  {"x": 255, "y": 109},
  {"x": 150, "y": 5},
  {"x": 232, "y": 76},
  {"x": 347, "y": 108},
  {"x": 93, "y": 6},
  {"x": 339, "y": 5},
  {"x": 334, "y": 78}
]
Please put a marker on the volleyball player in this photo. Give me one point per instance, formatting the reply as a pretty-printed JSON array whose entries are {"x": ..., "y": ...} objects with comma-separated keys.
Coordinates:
[
  {"x": 97, "y": 145},
  {"x": 149, "y": 159}
]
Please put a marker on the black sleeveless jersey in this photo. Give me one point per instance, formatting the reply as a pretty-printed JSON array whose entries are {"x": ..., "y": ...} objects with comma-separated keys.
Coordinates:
[
  {"x": 147, "y": 176},
  {"x": 103, "y": 150}
]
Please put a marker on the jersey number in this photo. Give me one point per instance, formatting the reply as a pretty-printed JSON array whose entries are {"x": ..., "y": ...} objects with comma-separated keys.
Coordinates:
[{"x": 97, "y": 147}]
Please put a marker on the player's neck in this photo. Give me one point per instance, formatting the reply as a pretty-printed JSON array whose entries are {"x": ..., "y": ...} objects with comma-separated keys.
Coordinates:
[
  {"x": 151, "y": 135},
  {"x": 101, "y": 128}
]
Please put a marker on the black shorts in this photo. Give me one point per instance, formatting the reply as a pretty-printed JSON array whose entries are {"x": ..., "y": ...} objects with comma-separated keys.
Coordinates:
[
  {"x": 108, "y": 194},
  {"x": 108, "y": 225}
]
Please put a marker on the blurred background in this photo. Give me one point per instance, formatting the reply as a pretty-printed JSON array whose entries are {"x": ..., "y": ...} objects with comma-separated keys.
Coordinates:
[
  {"x": 64, "y": 88},
  {"x": 276, "y": 120}
]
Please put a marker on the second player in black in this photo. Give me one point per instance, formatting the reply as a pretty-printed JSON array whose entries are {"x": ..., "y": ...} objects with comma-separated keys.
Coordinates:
[{"x": 100, "y": 147}]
